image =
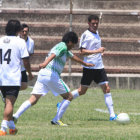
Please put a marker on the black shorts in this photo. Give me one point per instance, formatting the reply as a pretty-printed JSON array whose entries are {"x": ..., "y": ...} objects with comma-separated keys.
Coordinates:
[
  {"x": 24, "y": 77},
  {"x": 98, "y": 75},
  {"x": 10, "y": 90}
]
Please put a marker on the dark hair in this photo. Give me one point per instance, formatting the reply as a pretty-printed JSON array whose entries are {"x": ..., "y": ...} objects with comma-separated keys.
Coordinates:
[
  {"x": 93, "y": 17},
  {"x": 70, "y": 36},
  {"x": 12, "y": 27},
  {"x": 24, "y": 26}
]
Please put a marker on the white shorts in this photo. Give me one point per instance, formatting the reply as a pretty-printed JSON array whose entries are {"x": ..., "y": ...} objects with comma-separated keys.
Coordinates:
[{"x": 45, "y": 83}]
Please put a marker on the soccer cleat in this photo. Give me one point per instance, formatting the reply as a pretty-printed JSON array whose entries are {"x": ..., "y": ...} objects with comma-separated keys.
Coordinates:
[
  {"x": 2, "y": 133},
  {"x": 113, "y": 118},
  {"x": 60, "y": 123},
  {"x": 13, "y": 131},
  {"x": 58, "y": 106},
  {"x": 15, "y": 119}
]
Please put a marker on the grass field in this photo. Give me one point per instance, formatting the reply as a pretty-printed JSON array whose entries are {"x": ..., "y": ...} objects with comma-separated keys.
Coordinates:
[{"x": 85, "y": 123}]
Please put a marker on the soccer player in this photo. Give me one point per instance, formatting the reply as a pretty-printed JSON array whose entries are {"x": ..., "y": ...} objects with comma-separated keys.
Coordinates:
[
  {"x": 12, "y": 50},
  {"x": 90, "y": 47},
  {"x": 49, "y": 77},
  {"x": 30, "y": 47}
]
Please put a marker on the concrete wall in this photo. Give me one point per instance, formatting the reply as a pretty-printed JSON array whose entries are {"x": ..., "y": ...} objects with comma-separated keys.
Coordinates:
[
  {"x": 77, "y": 4},
  {"x": 116, "y": 81}
]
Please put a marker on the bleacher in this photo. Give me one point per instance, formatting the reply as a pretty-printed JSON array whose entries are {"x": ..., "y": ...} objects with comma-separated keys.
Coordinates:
[{"x": 119, "y": 29}]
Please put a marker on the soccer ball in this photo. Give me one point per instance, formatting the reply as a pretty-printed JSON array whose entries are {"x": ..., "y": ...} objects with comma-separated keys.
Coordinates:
[{"x": 123, "y": 118}]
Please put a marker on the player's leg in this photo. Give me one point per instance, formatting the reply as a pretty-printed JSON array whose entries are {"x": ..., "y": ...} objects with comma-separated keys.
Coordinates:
[
  {"x": 108, "y": 101},
  {"x": 24, "y": 80},
  {"x": 85, "y": 83},
  {"x": 24, "y": 85},
  {"x": 107, "y": 94},
  {"x": 67, "y": 98},
  {"x": 80, "y": 91},
  {"x": 58, "y": 87},
  {"x": 10, "y": 94},
  {"x": 39, "y": 90},
  {"x": 26, "y": 105},
  {"x": 76, "y": 93}
]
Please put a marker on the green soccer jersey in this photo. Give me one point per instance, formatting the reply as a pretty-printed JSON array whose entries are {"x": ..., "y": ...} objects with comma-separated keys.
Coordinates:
[{"x": 58, "y": 63}]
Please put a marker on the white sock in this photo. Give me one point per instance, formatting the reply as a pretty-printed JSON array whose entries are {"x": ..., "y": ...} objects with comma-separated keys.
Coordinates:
[
  {"x": 75, "y": 93},
  {"x": 11, "y": 124},
  {"x": 62, "y": 109},
  {"x": 4, "y": 125},
  {"x": 22, "y": 109},
  {"x": 109, "y": 104}
]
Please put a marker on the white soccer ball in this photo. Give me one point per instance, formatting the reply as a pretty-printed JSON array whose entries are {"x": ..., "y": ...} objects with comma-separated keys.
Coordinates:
[{"x": 123, "y": 118}]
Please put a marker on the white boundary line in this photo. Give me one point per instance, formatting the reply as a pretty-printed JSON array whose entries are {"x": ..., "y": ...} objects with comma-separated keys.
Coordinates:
[
  {"x": 101, "y": 110},
  {"x": 106, "y": 111}
]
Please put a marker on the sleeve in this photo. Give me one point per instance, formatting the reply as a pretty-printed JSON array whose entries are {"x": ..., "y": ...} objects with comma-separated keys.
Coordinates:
[
  {"x": 58, "y": 49},
  {"x": 23, "y": 49},
  {"x": 32, "y": 47},
  {"x": 84, "y": 41},
  {"x": 70, "y": 54}
]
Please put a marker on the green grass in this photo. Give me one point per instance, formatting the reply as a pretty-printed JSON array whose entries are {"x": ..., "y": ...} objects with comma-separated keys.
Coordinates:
[{"x": 84, "y": 122}]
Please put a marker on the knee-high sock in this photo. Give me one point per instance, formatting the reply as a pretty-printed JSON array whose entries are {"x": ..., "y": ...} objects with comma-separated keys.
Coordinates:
[
  {"x": 64, "y": 105},
  {"x": 22, "y": 109},
  {"x": 75, "y": 93},
  {"x": 109, "y": 104},
  {"x": 4, "y": 125}
]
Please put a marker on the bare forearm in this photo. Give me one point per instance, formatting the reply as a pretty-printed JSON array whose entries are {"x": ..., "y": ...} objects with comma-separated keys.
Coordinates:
[
  {"x": 27, "y": 65},
  {"x": 78, "y": 60},
  {"x": 46, "y": 62}
]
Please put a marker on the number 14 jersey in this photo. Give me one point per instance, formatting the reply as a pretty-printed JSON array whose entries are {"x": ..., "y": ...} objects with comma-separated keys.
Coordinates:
[{"x": 12, "y": 50}]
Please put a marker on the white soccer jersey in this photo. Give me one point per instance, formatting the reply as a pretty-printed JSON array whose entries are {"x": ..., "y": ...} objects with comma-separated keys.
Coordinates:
[
  {"x": 30, "y": 48},
  {"x": 12, "y": 49},
  {"x": 30, "y": 45},
  {"x": 92, "y": 41},
  {"x": 56, "y": 66},
  {"x": 49, "y": 77}
]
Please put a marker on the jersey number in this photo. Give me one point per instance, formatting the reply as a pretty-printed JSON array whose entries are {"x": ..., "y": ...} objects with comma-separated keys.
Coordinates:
[{"x": 7, "y": 56}]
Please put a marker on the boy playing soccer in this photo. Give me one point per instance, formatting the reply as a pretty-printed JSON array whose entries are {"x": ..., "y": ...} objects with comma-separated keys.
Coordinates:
[{"x": 49, "y": 77}]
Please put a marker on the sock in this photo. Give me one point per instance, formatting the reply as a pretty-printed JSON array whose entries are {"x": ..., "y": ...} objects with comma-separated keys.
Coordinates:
[
  {"x": 75, "y": 93},
  {"x": 109, "y": 104},
  {"x": 58, "y": 106},
  {"x": 11, "y": 124},
  {"x": 4, "y": 125},
  {"x": 22, "y": 109},
  {"x": 62, "y": 109}
]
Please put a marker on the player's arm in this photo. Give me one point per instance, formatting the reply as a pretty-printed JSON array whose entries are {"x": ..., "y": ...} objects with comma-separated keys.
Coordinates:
[
  {"x": 27, "y": 66},
  {"x": 46, "y": 62},
  {"x": 88, "y": 52},
  {"x": 78, "y": 60}
]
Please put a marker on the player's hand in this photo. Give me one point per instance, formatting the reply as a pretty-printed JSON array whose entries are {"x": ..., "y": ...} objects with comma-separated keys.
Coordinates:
[
  {"x": 41, "y": 66},
  {"x": 101, "y": 50},
  {"x": 89, "y": 65},
  {"x": 30, "y": 76}
]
